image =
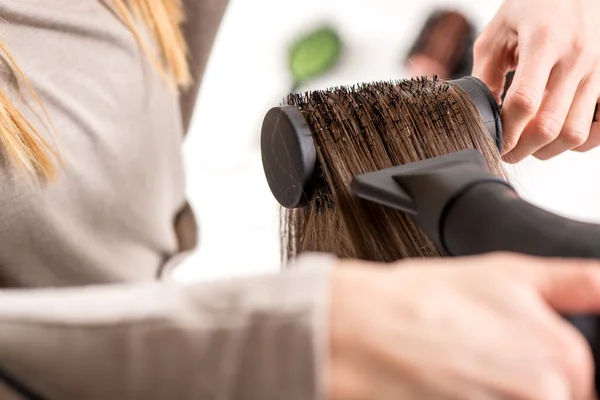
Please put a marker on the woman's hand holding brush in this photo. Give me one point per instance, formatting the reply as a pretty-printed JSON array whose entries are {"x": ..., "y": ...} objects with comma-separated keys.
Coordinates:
[
  {"x": 554, "y": 48},
  {"x": 471, "y": 328}
]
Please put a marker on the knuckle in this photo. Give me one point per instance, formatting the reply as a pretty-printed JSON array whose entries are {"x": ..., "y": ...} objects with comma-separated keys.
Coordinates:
[
  {"x": 579, "y": 45},
  {"x": 524, "y": 98},
  {"x": 544, "y": 35},
  {"x": 574, "y": 136},
  {"x": 547, "y": 127},
  {"x": 583, "y": 57}
]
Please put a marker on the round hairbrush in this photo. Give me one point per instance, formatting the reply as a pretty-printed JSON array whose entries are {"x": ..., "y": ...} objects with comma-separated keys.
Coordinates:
[{"x": 289, "y": 156}]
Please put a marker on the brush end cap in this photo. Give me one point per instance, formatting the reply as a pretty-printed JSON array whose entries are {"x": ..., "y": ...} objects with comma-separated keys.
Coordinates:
[
  {"x": 288, "y": 155},
  {"x": 486, "y": 104}
]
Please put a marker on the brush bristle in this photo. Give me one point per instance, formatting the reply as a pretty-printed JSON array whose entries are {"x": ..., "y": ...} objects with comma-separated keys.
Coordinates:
[{"x": 367, "y": 127}]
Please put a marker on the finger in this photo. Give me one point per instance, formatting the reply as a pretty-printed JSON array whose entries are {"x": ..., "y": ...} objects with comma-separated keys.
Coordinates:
[
  {"x": 572, "y": 287},
  {"x": 491, "y": 61},
  {"x": 548, "y": 122},
  {"x": 575, "y": 358},
  {"x": 578, "y": 123},
  {"x": 593, "y": 139},
  {"x": 523, "y": 99},
  {"x": 569, "y": 286}
]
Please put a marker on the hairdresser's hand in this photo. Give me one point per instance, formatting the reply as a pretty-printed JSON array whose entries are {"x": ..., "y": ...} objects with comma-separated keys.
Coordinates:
[
  {"x": 476, "y": 328},
  {"x": 555, "y": 47}
]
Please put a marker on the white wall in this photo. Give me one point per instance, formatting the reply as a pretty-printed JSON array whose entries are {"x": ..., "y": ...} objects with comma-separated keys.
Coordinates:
[{"x": 247, "y": 75}]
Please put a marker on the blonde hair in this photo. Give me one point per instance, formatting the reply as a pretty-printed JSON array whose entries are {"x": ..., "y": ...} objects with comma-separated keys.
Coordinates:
[{"x": 25, "y": 149}]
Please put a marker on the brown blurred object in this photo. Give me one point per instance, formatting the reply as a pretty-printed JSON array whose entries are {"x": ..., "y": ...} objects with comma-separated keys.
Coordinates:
[{"x": 443, "y": 47}]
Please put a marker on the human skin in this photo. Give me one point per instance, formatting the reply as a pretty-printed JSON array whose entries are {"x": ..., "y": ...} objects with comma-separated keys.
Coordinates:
[
  {"x": 485, "y": 327},
  {"x": 554, "y": 45}
]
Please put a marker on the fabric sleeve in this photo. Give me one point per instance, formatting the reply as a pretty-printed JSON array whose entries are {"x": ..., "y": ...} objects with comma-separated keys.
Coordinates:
[
  {"x": 203, "y": 18},
  {"x": 256, "y": 338}
]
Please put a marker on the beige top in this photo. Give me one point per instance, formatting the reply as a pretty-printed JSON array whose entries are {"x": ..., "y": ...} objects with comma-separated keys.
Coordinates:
[
  {"x": 118, "y": 215},
  {"x": 110, "y": 216}
]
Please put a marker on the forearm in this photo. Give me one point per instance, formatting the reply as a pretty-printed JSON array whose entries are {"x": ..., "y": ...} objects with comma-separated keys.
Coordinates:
[{"x": 253, "y": 338}]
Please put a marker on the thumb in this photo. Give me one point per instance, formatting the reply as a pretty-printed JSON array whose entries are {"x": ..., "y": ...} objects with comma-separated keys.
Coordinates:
[
  {"x": 569, "y": 286},
  {"x": 492, "y": 76},
  {"x": 490, "y": 65}
]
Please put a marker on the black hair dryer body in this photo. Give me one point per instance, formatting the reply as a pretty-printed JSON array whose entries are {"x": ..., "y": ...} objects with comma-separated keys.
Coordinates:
[
  {"x": 466, "y": 210},
  {"x": 496, "y": 219}
]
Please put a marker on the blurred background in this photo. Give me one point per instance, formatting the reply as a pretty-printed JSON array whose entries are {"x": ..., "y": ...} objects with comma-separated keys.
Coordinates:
[{"x": 248, "y": 73}]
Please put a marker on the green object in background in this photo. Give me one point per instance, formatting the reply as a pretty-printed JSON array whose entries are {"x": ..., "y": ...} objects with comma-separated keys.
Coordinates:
[{"x": 314, "y": 54}]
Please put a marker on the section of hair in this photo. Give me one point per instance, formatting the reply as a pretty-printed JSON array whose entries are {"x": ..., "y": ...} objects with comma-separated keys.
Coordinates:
[
  {"x": 23, "y": 148},
  {"x": 369, "y": 127}
]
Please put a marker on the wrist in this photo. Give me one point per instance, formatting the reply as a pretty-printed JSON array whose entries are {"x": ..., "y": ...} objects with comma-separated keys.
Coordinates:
[{"x": 349, "y": 289}]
